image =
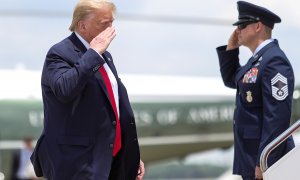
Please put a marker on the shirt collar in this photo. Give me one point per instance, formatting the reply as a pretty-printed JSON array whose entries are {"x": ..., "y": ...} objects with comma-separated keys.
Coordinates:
[
  {"x": 84, "y": 42},
  {"x": 263, "y": 44}
]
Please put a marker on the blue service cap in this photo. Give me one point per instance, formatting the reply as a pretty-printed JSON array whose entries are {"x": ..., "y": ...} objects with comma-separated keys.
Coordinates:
[{"x": 252, "y": 13}]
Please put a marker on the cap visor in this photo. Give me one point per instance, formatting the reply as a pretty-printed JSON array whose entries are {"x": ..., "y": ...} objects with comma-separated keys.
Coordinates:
[{"x": 241, "y": 21}]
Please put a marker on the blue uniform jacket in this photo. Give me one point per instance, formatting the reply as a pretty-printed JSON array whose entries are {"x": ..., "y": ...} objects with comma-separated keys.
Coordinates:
[
  {"x": 79, "y": 121},
  {"x": 264, "y": 94}
]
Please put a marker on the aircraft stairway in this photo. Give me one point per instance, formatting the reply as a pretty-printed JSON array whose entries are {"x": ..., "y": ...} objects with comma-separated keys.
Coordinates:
[{"x": 286, "y": 167}]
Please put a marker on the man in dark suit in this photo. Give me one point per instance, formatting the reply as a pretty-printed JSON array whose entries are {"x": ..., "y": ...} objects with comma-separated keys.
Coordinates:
[
  {"x": 89, "y": 127},
  {"x": 264, "y": 86}
]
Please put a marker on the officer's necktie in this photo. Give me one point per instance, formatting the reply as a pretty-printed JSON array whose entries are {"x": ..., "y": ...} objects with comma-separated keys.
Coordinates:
[{"x": 117, "y": 143}]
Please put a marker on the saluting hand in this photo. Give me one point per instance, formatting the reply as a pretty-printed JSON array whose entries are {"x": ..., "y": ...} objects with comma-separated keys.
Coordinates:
[
  {"x": 101, "y": 42},
  {"x": 233, "y": 41}
]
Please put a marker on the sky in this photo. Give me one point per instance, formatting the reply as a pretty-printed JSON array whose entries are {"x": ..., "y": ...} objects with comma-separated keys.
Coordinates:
[{"x": 29, "y": 28}]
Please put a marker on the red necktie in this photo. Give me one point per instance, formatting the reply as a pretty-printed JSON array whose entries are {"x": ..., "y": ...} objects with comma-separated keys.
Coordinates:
[{"x": 117, "y": 143}]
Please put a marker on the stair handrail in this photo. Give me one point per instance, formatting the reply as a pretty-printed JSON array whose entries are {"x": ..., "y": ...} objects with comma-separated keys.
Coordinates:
[{"x": 276, "y": 142}]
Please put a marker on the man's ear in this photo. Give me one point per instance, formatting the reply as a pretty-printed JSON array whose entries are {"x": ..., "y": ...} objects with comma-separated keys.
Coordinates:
[
  {"x": 259, "y": 26},
  {"x": 81, "y": 26}
]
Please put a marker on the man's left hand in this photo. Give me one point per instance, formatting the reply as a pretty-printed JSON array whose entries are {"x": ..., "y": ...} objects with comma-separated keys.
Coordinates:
[
  {"x": 258, "y": 173},
  {"x": 141, "y": 171}
]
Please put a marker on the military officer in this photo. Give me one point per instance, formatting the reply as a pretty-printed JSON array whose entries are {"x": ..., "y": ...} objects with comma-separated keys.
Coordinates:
[{"x": 264, "y": 86}]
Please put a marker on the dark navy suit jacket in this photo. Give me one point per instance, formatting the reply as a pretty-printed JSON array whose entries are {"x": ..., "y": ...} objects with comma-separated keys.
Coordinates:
[
  {"x": 79, "y": 121},
  {"x": 263, "y": 103}
]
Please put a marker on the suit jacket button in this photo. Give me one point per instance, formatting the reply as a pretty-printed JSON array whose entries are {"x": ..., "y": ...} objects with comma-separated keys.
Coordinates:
[
  {"x": 114, "y": 123},
  {"x": 111, "y": 145},
  {"x": 96, "y": 68}
]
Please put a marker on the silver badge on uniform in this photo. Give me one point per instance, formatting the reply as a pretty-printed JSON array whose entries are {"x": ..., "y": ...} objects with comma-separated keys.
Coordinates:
[
  {"x": 258, "y": 62},
  {"x": 279, "y": 86},
  {"x": 249, "y": 96}
]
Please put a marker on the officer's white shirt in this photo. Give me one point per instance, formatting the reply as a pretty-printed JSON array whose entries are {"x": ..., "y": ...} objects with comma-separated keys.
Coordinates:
[{"x": 263, "y": 44}]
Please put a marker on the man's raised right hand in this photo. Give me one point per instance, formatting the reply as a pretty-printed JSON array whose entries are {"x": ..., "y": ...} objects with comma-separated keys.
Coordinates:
[{"x": 101, "y": 42}]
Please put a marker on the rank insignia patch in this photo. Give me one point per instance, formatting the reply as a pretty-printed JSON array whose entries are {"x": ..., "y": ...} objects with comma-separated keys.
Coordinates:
[{"x": 279, "y": 86}]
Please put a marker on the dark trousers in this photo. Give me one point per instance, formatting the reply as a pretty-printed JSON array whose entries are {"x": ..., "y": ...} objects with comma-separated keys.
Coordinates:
[
  {"x": 248, "y": 178},
  {"x": 116, "y": 172}
]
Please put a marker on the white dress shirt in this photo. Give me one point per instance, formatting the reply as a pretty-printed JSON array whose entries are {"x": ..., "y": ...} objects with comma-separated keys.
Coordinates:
[{"x": 263, "y": 44}]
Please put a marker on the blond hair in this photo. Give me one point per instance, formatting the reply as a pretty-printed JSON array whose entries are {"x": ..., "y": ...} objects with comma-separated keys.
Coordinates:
[{"x": 85, "y": 7}]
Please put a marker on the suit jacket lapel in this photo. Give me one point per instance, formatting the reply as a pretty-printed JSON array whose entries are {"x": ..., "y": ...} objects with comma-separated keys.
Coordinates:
[
  {"x": 252, "y": 60},
  {"x": 80, "y": 48},
  {"x": 245, "y": 68},
  {"x": 100, "y": 78},
  {"x": 102, "y": 84},
  {"x": 78, "y": 45},
  {"x": 109, "y": 62}
]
